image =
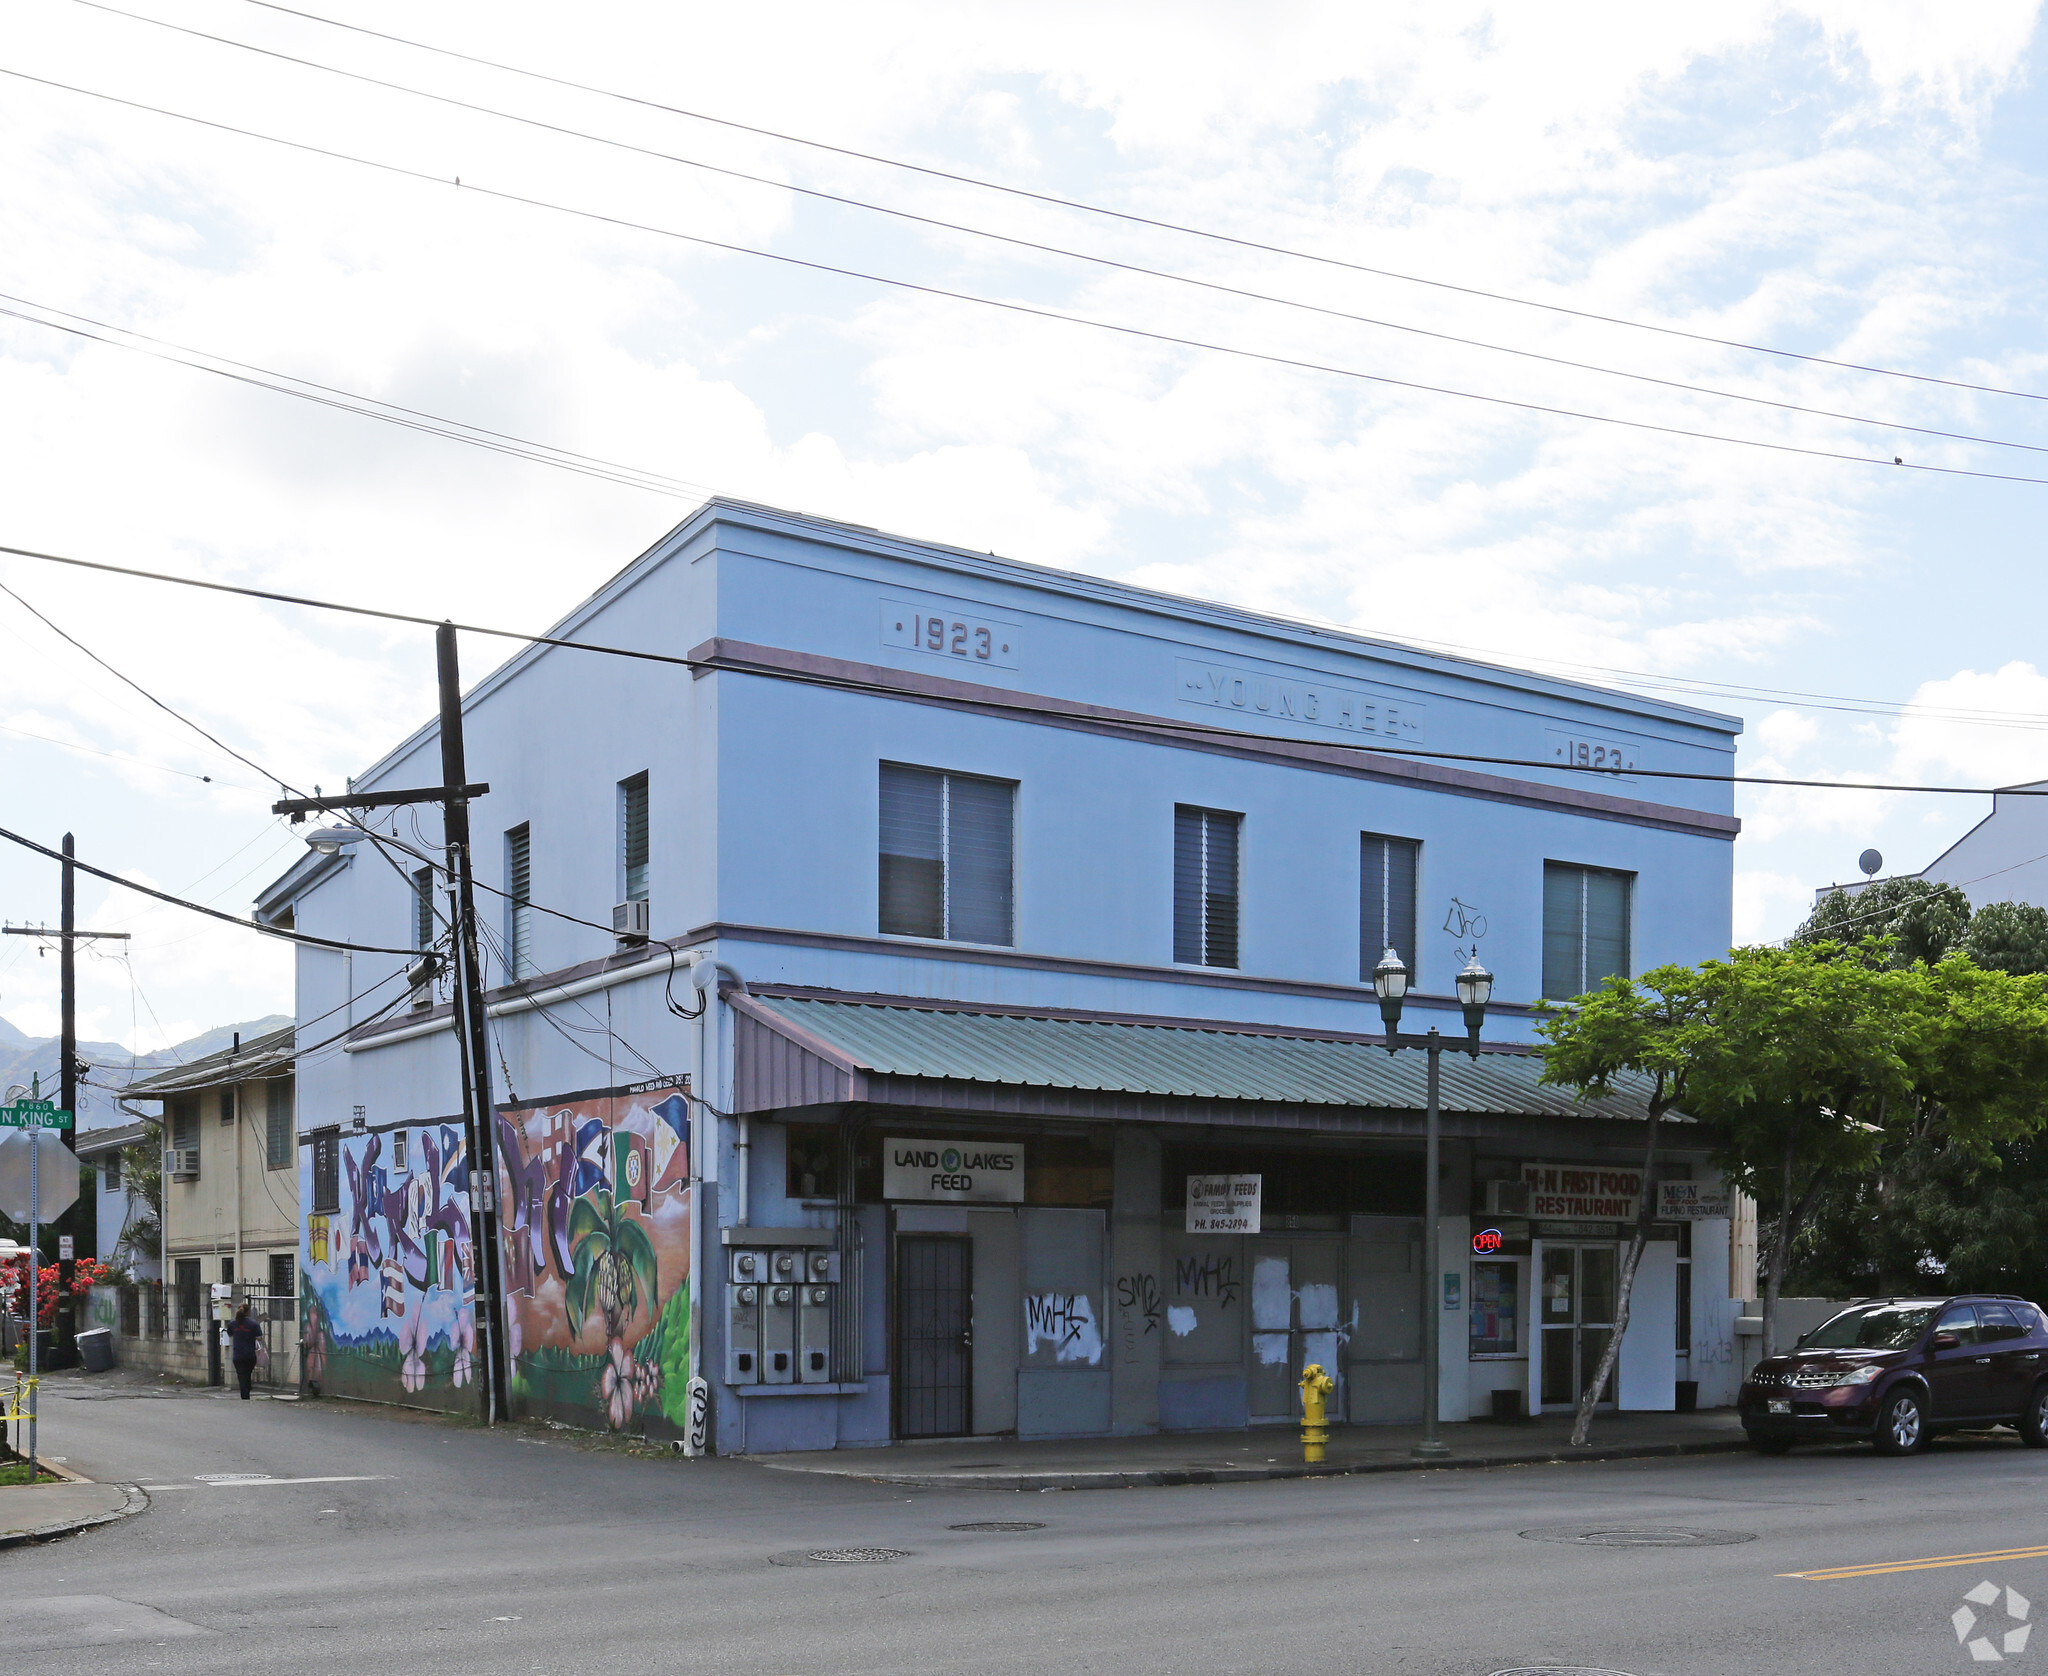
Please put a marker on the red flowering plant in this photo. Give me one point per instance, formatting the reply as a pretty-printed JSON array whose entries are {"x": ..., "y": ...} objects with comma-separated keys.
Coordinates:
[{"x": 85, "y": 1275}]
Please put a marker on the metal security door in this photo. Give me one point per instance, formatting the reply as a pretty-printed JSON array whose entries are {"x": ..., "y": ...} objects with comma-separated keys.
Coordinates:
[{"x": 934, "y": 1335}]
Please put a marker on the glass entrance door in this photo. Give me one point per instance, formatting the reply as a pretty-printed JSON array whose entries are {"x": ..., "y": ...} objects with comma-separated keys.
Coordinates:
[
  {"x": 1576, "y": 1317},
  {"x": 1294, "y": 1321}
]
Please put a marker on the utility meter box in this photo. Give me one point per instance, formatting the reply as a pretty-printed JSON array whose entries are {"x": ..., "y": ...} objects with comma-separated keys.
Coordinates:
[
  {"x": 814, "y": 1335},
  {"x": 821, "y": 1267},
  {"x": 743, "y": 1332},
  {"x": 748, "y": 1266},
  {"x": 778, "y": 1334}
]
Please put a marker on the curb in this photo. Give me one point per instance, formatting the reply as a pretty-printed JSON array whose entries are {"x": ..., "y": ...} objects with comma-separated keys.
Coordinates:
[
  {"x": 137, "y": 1502},
  {"x": 1169, "y": 1477}
]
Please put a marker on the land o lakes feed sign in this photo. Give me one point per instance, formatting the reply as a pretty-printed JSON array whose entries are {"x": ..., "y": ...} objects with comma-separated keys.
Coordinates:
[
  {"x": 964, "y": 1172},
  {"x": 1582, "y": 1192}
]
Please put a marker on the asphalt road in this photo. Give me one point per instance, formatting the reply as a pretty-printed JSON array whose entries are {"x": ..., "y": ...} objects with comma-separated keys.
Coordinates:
[{"x": 421, "y": 1546}]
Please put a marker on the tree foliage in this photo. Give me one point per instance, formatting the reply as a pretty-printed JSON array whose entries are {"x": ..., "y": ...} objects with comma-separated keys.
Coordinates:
[{"x": 1922, "y": 921}]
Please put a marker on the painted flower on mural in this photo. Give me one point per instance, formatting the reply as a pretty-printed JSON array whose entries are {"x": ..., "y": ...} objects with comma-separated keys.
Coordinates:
[
  {"x": 615, "y": 1270},
  {"x": 617, "y": 1385},
  {"x": 412, "y": 1345}
]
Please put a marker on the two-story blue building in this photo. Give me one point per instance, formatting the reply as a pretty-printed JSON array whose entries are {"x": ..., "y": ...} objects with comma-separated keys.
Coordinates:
[{"x": 944, "y": 1008}]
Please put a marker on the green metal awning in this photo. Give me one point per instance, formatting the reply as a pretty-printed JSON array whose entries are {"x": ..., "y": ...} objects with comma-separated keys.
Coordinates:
[{"x": 806, "y": 1050}]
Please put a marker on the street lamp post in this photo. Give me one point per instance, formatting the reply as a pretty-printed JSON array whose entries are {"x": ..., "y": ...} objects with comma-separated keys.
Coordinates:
[{"x": 1475, "y": 989}]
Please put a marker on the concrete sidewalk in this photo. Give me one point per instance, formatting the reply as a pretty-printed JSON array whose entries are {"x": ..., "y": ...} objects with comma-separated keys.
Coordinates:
[
  {"x": 37, "y": 1512},
  {"x": 1115, "y": 1463}
]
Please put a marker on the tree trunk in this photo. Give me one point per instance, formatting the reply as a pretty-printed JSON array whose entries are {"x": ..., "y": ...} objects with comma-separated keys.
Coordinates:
[
  {"x": 1774, "y": 1274},
  {"x": 1646, "y": 1212}
]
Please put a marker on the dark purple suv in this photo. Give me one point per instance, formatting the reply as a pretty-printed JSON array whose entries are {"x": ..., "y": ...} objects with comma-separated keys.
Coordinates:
[{"x": 1898, "y": 1370}]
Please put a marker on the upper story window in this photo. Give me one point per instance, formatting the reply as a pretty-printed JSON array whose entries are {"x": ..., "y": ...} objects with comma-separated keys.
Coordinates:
[
  {"x": 1387, "y": 869},
  {"x": 277, "y": 1122},
  {"x": 326, "y": 1170},
  {"x": 228, "y": 1106},
  {"x": 1205, "y": 845},
  {"x": 1585, "y": 928},
  {"x": 519, "y": 903},
  {"x": 946, "y": 855},
  {"x": 423, "y": 907},
  {"x": 110, "y": 1171},
  {"x": 633, "y": 838},
  {"x": 184, "y": 1123}
]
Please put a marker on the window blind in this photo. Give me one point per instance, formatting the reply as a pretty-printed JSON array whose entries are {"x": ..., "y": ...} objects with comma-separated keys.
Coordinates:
[
  {"x": 946, "y": 855},
  {"x": 633, "y": 836},
  {"x": 277, "y": 1122},
  {"x": 1585, "y": 928},
  {"x": 1387, "y": 869},
  {"x": 519, "y": 903},
  {"x": 1205, "y": 844}
]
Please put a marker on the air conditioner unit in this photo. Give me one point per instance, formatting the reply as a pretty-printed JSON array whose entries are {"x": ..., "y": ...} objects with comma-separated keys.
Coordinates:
[
  {"x": 182, "y": 1162},
  {"x": 1507, "y": 1198},
  {"x": 630, "y": 921}
]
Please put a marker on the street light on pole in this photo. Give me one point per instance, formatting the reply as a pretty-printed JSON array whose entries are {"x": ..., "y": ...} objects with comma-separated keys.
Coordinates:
[{"x": 1475, "y": 990}]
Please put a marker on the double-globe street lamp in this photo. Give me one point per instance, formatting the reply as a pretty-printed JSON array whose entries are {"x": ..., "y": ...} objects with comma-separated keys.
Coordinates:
[{"x": 1475, "y": 989}]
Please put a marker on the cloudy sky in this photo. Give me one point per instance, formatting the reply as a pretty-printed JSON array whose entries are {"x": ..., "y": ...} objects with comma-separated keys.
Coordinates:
[{"x": 1859, "y": 182}]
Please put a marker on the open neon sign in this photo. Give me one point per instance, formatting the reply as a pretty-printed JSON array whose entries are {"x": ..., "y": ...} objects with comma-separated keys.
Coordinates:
[{"x": 1486, "y": 1242}]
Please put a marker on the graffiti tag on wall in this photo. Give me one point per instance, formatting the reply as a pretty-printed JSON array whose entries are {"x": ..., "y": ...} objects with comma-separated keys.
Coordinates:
[{"x": 1065, "y": 1323}]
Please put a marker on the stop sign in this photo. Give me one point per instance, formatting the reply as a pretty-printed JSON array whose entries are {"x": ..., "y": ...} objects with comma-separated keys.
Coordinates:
[{"x": 56, "y": 1174}]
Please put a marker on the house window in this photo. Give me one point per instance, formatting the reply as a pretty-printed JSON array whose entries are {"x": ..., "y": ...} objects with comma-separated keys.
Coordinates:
[
  {"x": 227, "y": 1271},
  {"x": 633, "y": 837},
  {"x": 185, "y": 1126},
  {"x": 284, "y": 1282},
  {"x": 227, "y": 1106},
  {"x": 519, "y": 903},
  {"x": 188, "y": 1289},
  {"x": 327, "y": 1170},
  {"x": 1387, "y": 869},
  {"x": 110, "y": 1172},
  {"x": 423, "y": 908},
  {"x": 1205, "y": 843},
  {"x": 946, "y": 855},
  {"x": 277, "y": 1122},
  {"x": 398, "y": 1149},
  {"x": 1585, "y": 928}
]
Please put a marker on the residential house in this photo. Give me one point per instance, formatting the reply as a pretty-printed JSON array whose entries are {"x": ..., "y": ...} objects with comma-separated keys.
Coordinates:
[{"x": 120, "y": 1212}]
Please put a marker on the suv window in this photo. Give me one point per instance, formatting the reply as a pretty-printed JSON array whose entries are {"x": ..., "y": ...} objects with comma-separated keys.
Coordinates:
[
  {"x": 1870, "y": 1327},
  {"x": 1962, "y": 1321},
  {"x": 1997, "y": 1321}
]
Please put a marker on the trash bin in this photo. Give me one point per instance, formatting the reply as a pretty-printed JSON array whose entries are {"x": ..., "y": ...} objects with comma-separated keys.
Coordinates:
[
  {"x": 96, "y": 1349},
  {"x": 1507, "y": 1406},
  {"x": 1687, "y": 1395}
]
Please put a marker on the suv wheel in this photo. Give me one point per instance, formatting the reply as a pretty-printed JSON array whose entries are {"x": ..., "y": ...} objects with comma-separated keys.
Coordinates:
[
  {"x": 2034, "y": 1423},
  {"x": 1902, "y": 1425}
]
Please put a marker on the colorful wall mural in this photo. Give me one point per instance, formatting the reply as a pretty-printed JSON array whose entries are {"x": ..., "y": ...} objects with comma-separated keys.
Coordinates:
[
  {"x": 594, "y": 1224},
  {"x": 387, "y": 1286}
]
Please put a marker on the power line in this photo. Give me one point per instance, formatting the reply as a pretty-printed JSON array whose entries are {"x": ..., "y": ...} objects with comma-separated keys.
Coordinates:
[
  {"x": 1180, "y": 732},
  {"x": 115, "y": 756},
  {"x": 1033, "y": 311},
  {"x": 196, "y": 907},
  {"x": 1063, "y": 251},
  {"x": 1132, "y": 219},
  {"x": 367, "y": 407}
]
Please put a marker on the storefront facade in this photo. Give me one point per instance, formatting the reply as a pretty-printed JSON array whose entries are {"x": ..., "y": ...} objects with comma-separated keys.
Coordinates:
[{"x": 971, "y": 912}]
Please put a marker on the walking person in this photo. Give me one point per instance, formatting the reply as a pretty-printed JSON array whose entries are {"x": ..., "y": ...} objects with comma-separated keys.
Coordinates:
[{"x": 245, "y": 1339}]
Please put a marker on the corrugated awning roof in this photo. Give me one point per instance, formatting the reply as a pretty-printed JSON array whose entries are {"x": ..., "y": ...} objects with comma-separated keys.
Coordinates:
[
  {"x": 268, "y": 1055},
  {"x": 831, "y": 1050}
]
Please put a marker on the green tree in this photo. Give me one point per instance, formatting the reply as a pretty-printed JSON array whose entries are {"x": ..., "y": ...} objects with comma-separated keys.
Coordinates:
[
  {"x": 1923, "y": 921},
  {"x": 2008, "y": 937}
]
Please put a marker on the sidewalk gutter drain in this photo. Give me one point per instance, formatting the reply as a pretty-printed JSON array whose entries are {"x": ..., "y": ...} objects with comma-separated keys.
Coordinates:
[
  {"x": 1000, "y": 1525},
  {"x": 855, "y": 1556},
  {"x": 1636, "y": 1536}
]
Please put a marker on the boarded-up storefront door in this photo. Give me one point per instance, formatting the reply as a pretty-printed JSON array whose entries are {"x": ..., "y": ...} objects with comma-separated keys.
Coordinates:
[{"x": 1296, "y": 1315}]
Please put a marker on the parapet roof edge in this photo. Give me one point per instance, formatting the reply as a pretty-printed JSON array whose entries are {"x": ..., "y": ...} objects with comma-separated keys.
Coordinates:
[{"x": 864, "y": 537}]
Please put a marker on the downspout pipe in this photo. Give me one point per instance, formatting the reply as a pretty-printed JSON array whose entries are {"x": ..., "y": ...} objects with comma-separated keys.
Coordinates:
[{"x": 705, "y": 973}]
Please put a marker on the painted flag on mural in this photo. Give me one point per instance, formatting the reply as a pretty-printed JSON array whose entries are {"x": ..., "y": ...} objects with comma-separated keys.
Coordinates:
[{"x": 671, "y": 1142}]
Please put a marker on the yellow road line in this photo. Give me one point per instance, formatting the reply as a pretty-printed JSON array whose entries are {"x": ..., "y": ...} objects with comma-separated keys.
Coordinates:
[{"x": 1836, "y": 1574}]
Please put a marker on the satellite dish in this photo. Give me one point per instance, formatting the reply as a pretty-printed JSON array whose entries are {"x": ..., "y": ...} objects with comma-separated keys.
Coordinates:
[
  {"x": 1870, "y": 861},
  {"x": 16, "y": 1093}
]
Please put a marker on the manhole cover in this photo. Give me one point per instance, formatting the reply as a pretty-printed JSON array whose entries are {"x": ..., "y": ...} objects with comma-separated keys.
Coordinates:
[
  {"x": 855, "y": 1556},
  {"x": 1000, "y": 1525},
  {"x": 1636, "y": 1536}
]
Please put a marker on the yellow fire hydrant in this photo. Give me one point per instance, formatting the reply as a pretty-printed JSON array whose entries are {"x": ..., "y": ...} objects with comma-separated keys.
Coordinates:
[{"x": 1316, "y": 1387}]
